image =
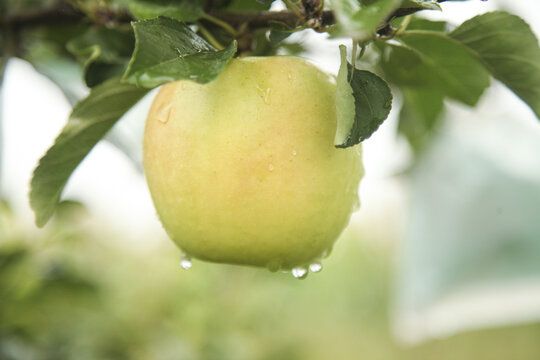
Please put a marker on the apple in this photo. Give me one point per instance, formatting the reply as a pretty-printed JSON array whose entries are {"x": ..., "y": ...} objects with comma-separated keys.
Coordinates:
[{"x": 243, "y": 170}]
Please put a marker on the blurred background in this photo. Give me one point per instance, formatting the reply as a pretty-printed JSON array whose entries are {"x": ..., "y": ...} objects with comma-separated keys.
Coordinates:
[{"x": 442, "y": 261}]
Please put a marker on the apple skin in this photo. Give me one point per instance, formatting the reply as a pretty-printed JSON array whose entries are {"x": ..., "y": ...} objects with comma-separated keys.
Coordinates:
[{"x": 243, "y": 170}]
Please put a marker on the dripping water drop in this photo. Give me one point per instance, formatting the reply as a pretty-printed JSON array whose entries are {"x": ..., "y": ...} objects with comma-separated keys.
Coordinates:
[
  {"x": 185, "y": 262},
  {"x": 164, "y": 113},
  {"x": 315, "y": 266},
  {"x": 299, "y": 272}
]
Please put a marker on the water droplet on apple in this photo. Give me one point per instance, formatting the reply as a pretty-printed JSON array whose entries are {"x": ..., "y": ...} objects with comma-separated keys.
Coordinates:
[
  {"x": 315, "y": 266},
  {"x": 271, "y": 167},
  {"x": 326, "y": 252},
  {"x": 264, "y": 94},
  {"x": 273, "y": 265},
  {"x": 293, "y": 152},
  {"x": 299, "y": 272},
  {"x": 356, "y": 203},
  {"x": 163, "y": 113},
  {"x": 290, "y": 76},
  {"x": 185, "y": 262}
]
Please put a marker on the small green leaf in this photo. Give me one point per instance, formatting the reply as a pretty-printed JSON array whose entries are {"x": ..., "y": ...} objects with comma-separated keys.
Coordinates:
[
  {"x": 105, "y": 53},
  {"x": 184, "y": 10},
  {"x": 419, "y": 115},
  {"x": 422, "y": 4},
  {"x": 45, "y": 49},
  {"x": 90, "y": 120},
  {"x": 167, "y": 50},
  {"x": 360, "y": 21},
  {"x": 508, "y": 48},
  {"x": 431, "y": 59},
  {"x": 418, "y": 23},
  {"x": 363, "y": 102},
  {"x": 279, "y": 31}
]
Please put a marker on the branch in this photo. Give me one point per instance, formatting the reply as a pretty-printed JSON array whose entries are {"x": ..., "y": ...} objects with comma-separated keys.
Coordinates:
[
  {"x": 263, "y": 19},
  {"x": 63, "y": 13}
]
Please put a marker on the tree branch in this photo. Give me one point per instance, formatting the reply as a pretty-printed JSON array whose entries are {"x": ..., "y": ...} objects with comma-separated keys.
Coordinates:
[{"x": 63, "y": 13}]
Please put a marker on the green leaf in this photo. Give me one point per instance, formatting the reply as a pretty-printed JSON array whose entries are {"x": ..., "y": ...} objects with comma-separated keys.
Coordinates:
[
  {"x": 508, "y": 48},
  {"x": 419, "y": 116},
  {"x": 65, "y": 72},
  {"x": 363, "y": 102},
  {"x": 45, "y": 49},
  {"x": 167, "y": 50},
  {"x": 418, "y": 23},
  {"x": 185, "y": 10},
  {"x": 279, "y": 31},
  {"x": 422, "y": 4},
  {"x": 360, "y": 21},
  {"x": 431, "y": 59},
  {"x": 105, "y": 53},
  {"x": 90, "y": 120}
]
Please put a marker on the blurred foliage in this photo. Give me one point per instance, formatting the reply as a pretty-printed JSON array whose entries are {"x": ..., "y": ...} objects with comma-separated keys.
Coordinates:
[{"x": 69, "y": 292}]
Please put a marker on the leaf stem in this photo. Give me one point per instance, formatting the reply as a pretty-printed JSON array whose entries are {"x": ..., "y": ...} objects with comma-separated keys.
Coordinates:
[
  {"x": 403, "y": 25},
  {"x": 208, "y": 35},
  {"x": 353, "y": 55},
  {"x": 294, "y": 8},
  {"x": 225, "y": 26}
]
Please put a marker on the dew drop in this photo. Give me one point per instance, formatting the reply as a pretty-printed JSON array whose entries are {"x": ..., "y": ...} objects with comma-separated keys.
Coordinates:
[
  {"x": 273, "y": 265},
  {"x": 299, "y": 272},
  {"x": 164, "y": 113},
  {"x": 326, "y": 252},
  {"x": 356, "y": 204},
  {"x": 293, "y": 152},
  {"x": 315, "y": 266},
  {"x": 264, "y": 94},
  {"x": 271, "y": 167},
  {"x": 185, "y": 262}
]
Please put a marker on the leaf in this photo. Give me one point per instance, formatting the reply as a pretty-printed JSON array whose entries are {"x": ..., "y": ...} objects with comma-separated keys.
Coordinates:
[
  {"x": 420, "y": 114},
  {"x": 363, "y": 102},
  {"x": 508, "y": 48},
  {"x": 185, "y": 10},
  {"x": 279, "y": 31},
  {"x": 167, "y": 50},
  {"x": 431, "y": 59},
  {"x": 45, "y": 49},
  {"x": 422, "y": 4},
  {"x": 418, "y": 23},
  {"x": 360, "y": 21},
  {"x": 90, "y": 120},
  {"x": 105, "y": 53}
]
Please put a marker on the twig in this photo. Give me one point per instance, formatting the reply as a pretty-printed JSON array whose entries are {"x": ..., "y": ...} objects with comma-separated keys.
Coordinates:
[{"x": 64, "y": 13}]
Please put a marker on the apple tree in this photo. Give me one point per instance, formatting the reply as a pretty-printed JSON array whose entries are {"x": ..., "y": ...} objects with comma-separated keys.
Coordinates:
[{"x": 123, "y": 49}]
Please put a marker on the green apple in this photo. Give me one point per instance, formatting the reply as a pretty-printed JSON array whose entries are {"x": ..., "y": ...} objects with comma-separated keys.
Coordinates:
[{"x": 243, "y": 170}]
